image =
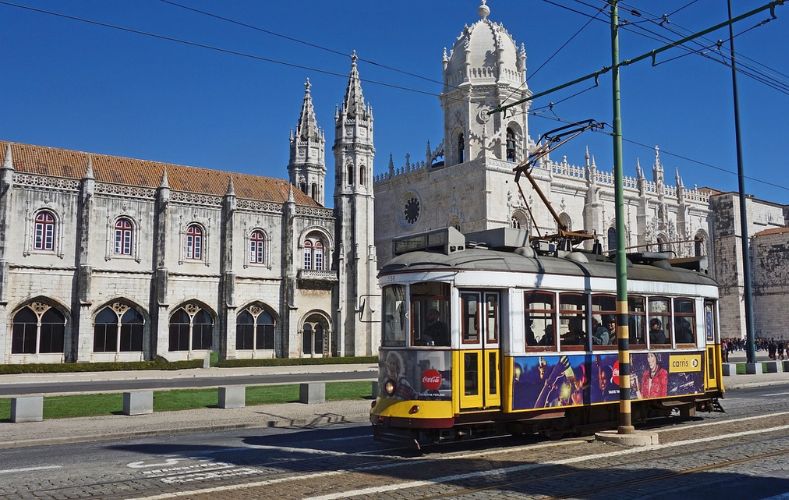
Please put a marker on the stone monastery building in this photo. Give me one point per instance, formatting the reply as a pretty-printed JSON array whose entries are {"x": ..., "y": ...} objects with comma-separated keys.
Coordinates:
[{"x": 105, "y": 258}]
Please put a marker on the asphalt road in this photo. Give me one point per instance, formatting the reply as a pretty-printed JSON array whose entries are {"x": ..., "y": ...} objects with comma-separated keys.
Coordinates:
[
  {"x": 184, "y": 383},
  {"x": 743, "y": 453}
]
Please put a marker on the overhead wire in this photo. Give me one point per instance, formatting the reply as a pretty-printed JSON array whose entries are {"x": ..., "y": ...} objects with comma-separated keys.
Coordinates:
[
  {"x": 633, "y": 27},
  {"x": 332, "y": 73}
]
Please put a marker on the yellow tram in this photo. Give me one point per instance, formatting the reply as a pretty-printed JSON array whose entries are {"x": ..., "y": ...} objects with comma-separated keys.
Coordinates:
[{"x": 485, "y": 330}]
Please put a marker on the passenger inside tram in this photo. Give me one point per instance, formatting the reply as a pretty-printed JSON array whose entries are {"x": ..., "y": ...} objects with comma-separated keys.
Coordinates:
[
  {"x": 435, "y": 332},
  {"x": 575, "y": 334}
]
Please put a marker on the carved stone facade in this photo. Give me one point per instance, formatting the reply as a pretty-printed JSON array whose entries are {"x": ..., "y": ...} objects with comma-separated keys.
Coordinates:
[
  {"x": 113, "y": 259},
  {"x": 468, "y": 182},
  {"x": 474, "y": 189}
]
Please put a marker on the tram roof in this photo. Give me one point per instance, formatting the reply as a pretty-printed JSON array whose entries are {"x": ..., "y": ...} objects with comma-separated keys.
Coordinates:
[{"x": 480, "y": 259}]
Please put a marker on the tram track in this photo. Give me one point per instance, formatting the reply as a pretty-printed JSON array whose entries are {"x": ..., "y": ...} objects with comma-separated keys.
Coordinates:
[{"x": 598, "y": 488}]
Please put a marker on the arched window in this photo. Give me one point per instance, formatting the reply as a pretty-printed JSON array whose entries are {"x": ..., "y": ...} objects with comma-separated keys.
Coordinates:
[
  {"x": 662, "y": 244},
  {"x": 303, "y": 187},
  {"x": 515, "y": 222},
  {"x": 315, "y": 251},
  {"x": 318, "y": 255},
  {"x": 191, "y": 329},
  {"x": 519, "y": 220},
  {"x": 362, "y": 175},
  {"x": 700, "y": 245},
  {"x": 611, "y": 238},
  {"x": 193, "y": 248},
  {"x": 257, "y": 247},
  {"x": 308, "y": 255},
  {"x": 118, "y": 328},
  {"x": 350, "y": 175},
  {"x": 566, "y": 220},
  {"x": 510, "y": 145},
  {"x": 255, "y": 329},
  {"x": 44, "y": 231},
  {"x": 314, "y": 191},
  {"x": 314, "y": 335},
  {"x": 461, "y": 148},
  {"x": 38, "y": 328},
  {"x": 124, "y": 236}
]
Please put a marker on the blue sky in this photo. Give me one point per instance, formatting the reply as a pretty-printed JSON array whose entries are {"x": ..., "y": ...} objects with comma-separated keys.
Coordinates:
[{"x": 86, "y": 87}]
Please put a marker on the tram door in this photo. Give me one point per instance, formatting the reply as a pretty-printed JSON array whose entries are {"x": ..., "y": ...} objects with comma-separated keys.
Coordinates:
[
  {"x": 713, "y": 344},
  {"x": 479, "y": 363}
]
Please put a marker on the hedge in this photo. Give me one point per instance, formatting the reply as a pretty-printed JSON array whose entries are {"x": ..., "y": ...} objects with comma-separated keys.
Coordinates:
[
  {"x": 242, "y": 363},
  {"x": 162, "y": 364},
  {"x": 158, "y": 364}
]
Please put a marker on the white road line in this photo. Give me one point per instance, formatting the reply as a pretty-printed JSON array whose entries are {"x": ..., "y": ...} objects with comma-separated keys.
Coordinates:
[
  {"x": 29, "y": 469},
  {"x": 518, "y": 468},
  {"x": 317, "y": 475},
  {"x": 776, "y": 394},
  {"x": 719, "y": 422}
]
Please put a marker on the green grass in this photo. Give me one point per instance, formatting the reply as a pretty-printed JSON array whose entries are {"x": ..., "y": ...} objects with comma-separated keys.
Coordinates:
[{"x": 87, "y": 405}]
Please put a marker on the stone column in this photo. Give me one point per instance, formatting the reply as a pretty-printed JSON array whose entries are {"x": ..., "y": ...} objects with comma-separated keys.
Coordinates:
[
  {"x": 6, "y": 194},
  {"x": 159, "y": 296},
  {"x": 81, "y": 328},
  {"x": 227, "y": 332}
]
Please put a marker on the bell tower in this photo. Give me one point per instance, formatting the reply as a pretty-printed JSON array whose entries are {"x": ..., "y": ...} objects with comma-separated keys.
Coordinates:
[
  {"x": 354, "y": 153},
  {"x": 307, "y": 164}
]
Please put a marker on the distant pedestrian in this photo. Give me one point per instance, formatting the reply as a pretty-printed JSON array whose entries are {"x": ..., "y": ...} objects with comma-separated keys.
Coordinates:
[
  {"x": 781, "y": 349},
  {"x": 771, "y": 348}
]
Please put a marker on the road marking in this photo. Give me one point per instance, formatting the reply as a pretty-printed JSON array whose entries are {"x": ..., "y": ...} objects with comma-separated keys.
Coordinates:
[
  {"x": 776, "y": 394},
  {"x": 29, "y": 469},
  {"x": 317, "y": 475},
  {"x": 518, "y": 468}
]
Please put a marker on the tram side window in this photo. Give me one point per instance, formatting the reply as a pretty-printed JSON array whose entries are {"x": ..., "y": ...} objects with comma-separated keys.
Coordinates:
[
  {"x": 394, "y": 320},
  {"x": 659, "y": 322},
  {"x": 540, "y": 329},
  {"x": 684, "y": 321},
  {"x": 603, "y": 321},
  {"x": 637, "y": 324},
  {"x": 430, "y": 314},
  {"x": 572, "y": 320}
]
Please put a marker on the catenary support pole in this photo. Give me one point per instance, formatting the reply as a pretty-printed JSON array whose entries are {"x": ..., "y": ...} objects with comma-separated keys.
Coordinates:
[
  {"x": 750, "y": 342},
  {"x": 622, "y": 330}
]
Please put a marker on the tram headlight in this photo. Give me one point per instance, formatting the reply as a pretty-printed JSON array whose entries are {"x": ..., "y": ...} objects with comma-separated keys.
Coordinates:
[{"x": 389, "y": 388}]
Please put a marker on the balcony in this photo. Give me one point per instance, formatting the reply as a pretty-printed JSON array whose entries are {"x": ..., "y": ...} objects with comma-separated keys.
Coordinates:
[{"x": 312, "y": 275}]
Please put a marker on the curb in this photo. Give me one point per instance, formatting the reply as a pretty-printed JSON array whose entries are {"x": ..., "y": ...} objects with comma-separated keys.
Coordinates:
[{"x": 751, "y": 385}]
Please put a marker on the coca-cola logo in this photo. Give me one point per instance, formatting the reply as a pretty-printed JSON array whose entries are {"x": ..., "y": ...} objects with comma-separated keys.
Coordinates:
[
  {"x": 615, "y": 370},
  {"x": 431, "y": 379}
]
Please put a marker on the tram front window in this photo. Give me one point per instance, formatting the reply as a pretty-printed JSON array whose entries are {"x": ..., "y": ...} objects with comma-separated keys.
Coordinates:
[
  {"x": 430, "y": 314},
  {"x": 393, "y": 334}
]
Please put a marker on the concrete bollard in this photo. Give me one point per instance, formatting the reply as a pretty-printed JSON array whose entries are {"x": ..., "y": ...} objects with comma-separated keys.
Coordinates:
[
  {"x": 770, "y": 366},
  {"x": 785, "y": 364},
  {"x": 207, "y": 360},
  {"x": 232, "y": 396},
  {"x": 729, "y": 369},
  {"x": 137, "y": 402},
  {"x": 27, "y": 409},
  {"x": 313, "y": 392},
  {"x": 374, "y": 389},
  {"x": 753, "y": 368}
]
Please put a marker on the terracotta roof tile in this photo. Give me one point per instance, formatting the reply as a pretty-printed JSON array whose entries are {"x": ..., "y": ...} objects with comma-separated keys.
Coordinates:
[
  {"x": 773, "y": 230},
  {"x": 58, "y": 162}
]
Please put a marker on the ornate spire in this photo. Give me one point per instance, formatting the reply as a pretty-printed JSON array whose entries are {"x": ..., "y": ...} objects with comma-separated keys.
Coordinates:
[
  {"x": 165, "y": 183},
  {"x": 8, "y": 161},
  {"x": 484, "y": 10},
  {"x": 639, "y": 171},
  {"x": 231, "y": 188},
  {"x": 353, "y": 104},
  {"x": 678, "y": 179},
  {"x": 291, "y": 197},
  {"x": 391, "y": 165},
  {"x": 307, "y": 126},
  {"x": 587, "y": 157},
  {"x": 89, "y": 170}
]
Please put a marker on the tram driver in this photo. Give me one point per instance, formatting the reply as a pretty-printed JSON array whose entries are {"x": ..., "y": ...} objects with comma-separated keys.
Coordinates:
[{"x": 436, "y": 332}]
